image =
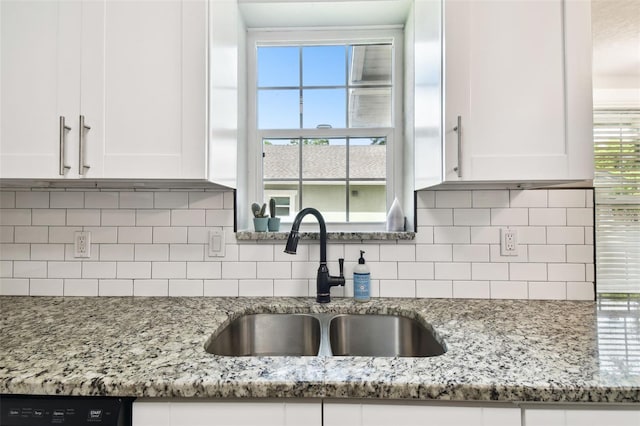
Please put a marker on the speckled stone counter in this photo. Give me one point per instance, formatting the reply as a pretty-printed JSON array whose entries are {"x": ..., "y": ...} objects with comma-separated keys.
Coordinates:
[{"x": 496, "y": 350}]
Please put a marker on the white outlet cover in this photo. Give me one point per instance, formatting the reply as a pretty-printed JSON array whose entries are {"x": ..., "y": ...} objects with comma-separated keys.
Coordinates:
[
  {"x": 82, "y": 244},
  {"x": 216, "y": 243},
  {"x": 508, "y": 242}
]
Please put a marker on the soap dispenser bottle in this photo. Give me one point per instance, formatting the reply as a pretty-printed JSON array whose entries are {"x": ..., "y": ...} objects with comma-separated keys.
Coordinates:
[{"x": 361, "y": 281}]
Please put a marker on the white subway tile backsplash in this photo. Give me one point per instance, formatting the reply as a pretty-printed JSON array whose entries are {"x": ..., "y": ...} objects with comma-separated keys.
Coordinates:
[
  {"x": 14, "y": 287},
  {"x": 31, "y": 234},
  {"x": 6, "y": 234},
  {"x": 509, "y": 217},
  {"x": 66, "y": 200},
  {"x": 398, "y": 288},
  {"x": 509, "y": 290},
  {"x": 175, "y": 235},
  {"x": 472, "y": 217},
  {"x": 120, "y": 217},
  {"x": 415, "y": 270},
  {"x": 116, "y": 252},
  {"x": 56, "y": 217},
  {"x": 73, "y": 287},
  {"x": 471, "y": 290},
  {"x": 101, "y": 200},
  {"x": 115, "y": 287},
  {"x": 83, "y": 217},
  {"x": 64, "y": 270},
  {"x": 451, "y": 235},
  {"x": 494, "y": 198},
  {"x": 434, "y": 289},
  {"x": 528, "y": 198},
  {"x": 171, "y": 200},
  {"x": 206, "y": 200},
  {"x": 136, "y": 200},
  {"x": 7, "y": 200},
  {"x": 547, "y": 217},
  {"x": 489, "y": 271},
  {"x": 452, "y": 271},
  {"x": 204, "y": 270},
  {"x": 457, "y": 199},
  {"x": 150, "y": 288},
  {"x": 29, "y": 269},
  {"x": 221, "y": 288},
  {"x": 567, "y": 198},
  {"x": 188, "y": 288},
  {"x": 46, "y": 287},
  {"x": 32, "y": 200},
  {"x": 470, "y": 252},
  {"x": 98, "y": 269},
  {"x": 154, "y": 243},
  {"x": 255, "y": 288},
  {"x": 14, "y": 217},
  {"x": 397, "y": 252},
  {"x": 565, "y": 235},
  {"x": 548, "y": 290}
]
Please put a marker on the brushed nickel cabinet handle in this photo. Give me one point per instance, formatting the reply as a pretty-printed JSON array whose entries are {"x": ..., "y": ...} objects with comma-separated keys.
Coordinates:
[
  {"x": 81, "y": 160},
  {"x": 458, "y": 129},
  {"x": 63, "y": 132}
]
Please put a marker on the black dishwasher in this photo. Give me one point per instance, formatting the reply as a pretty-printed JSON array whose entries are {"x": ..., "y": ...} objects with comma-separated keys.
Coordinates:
[{"x": 33, "y": 410}]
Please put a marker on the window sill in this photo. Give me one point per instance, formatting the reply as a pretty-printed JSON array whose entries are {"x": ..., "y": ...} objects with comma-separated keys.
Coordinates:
[{"x": 332, "y": 236}]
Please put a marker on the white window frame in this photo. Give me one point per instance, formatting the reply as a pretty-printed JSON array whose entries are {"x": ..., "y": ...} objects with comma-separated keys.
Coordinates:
[{"x": 317, "y": 36}]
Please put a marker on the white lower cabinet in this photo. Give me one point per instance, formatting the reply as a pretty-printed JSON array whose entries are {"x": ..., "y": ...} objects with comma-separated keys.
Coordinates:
[
  {"x": 416, "y": 414},
  {"x": 291, "y": 412},
  {"x": 581, "y": 417},
  {"x": 201, "y": 412}
]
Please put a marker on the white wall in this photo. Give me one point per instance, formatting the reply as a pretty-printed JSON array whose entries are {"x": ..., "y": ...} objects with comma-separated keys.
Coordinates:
[{"x": 153, "y": 243}]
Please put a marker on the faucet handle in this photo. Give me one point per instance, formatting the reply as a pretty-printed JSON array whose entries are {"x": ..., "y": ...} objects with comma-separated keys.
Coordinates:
[{"x": 341, "y": 262}]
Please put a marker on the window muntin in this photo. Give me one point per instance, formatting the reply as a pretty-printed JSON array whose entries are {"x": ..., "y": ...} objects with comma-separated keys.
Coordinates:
[{"x": 361, "y": 118}]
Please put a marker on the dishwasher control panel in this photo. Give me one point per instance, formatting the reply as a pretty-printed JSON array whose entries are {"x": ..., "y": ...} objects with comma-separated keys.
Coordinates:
[{"x": 30, "y": 410}]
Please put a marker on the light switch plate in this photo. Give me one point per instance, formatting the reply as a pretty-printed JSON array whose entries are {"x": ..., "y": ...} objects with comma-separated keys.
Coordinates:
[{"x": 216, "y": 243}]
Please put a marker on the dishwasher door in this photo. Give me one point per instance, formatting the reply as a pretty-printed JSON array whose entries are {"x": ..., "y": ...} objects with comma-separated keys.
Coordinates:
[{"x": 34, "y": 410}]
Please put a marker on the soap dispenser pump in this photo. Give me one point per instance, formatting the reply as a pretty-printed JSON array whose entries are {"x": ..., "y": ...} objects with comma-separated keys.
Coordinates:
[{"x": 361, "y": 281}]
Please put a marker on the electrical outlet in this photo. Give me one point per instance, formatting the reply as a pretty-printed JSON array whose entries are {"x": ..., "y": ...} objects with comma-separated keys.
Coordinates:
[
  {"x": 82, "y": 244},
  {"x": 508, "y": 242}
]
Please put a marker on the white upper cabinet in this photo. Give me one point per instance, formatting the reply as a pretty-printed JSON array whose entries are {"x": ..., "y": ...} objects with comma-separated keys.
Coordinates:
[
  {"x": 135, "y": 70},
  {"x": 517, "y": 91}
]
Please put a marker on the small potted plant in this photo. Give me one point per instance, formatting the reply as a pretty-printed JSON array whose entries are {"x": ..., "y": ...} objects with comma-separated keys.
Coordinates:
[
  {"x": 260, "y": 218},
  {"x": 274, "y": 222}
]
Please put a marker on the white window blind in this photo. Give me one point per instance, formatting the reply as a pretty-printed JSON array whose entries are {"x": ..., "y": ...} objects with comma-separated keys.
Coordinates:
[{"x": 617, "y": 197}]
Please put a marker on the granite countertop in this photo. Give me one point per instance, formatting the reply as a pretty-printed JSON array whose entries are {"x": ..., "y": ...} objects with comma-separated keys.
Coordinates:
[{"x": 496, "y": 350}]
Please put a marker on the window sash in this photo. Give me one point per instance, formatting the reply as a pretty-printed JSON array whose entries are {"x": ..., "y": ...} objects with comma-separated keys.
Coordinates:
[{"x": 617, "y": 200}]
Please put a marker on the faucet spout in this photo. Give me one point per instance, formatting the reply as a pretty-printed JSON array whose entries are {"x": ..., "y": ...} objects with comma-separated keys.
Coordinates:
[{"x": 324, "y": 281}]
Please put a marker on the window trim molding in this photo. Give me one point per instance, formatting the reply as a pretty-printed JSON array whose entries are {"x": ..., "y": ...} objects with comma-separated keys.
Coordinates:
[{"x": 323, "y": 36}]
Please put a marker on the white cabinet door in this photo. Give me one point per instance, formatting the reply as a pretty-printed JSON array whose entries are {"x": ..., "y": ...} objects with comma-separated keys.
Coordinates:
[
  {"x": 144, "y": 88},
  {"x": 237, "y": 413},
  {"x": 408, "y": 414},
  {"x": 39, "y": 83},
  {"x": 581, "y": 417},
  {"x": 511, "y": 77}
]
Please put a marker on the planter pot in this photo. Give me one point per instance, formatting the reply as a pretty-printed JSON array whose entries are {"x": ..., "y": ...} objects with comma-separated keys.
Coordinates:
[
  {"x": 260, "y": 224},
  {"x": 274, "y": 224}
]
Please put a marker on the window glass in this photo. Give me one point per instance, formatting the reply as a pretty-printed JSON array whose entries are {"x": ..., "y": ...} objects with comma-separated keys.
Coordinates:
[
  {"x": 324, "y": 107},
  {"x": 324, "y": 159},
  {"x": 279, "y": 66},
  {"x": 279, "y": 109},
  {"x": 324, "y": 66}
]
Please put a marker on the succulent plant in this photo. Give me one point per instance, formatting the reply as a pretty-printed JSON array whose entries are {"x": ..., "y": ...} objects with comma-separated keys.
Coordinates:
[
  {"x": 259, "y": 211},
  {"x": 272, "y": 207}
]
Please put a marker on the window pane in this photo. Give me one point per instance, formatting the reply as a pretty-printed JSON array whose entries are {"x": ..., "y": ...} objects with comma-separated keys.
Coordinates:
[
  {"x": 367, "y": 202},
  {"x": 370, "y": 107},
  {"x": 324, "y": 159},
  {"x": 278, "y": 109},
  {"x": 281, "y": 159},
  {"x": 329, "y": 198},
  {"x": 323, "y": 66},
  {"x": 367, "y": 158},
  {"x": 370, "y": 64},
  {"x": 324, "y": 107},
  {"x": 279, "y": 66}
]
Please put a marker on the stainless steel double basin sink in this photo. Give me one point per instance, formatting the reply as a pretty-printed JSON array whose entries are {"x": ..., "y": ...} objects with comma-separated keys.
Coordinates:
[{"x": 325, "y": 335}]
